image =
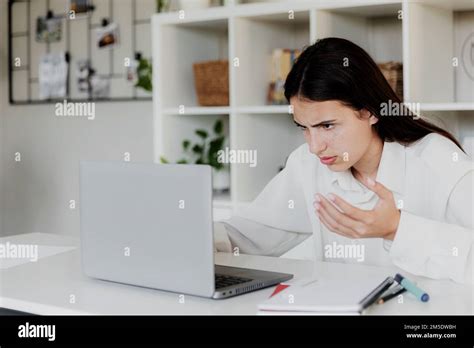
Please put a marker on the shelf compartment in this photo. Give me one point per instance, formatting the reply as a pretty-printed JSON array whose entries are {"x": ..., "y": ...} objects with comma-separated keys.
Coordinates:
[
  {"x": 273, "y": 137},
  {"x": 377, "y": 29},
  {"x": 431, "y": 67},
  {"x": 255, "y": 40},
  {"x": 175, "y": 128},
  {"x": 181, "y": 46},
  {"x": 180, "y": 127}
]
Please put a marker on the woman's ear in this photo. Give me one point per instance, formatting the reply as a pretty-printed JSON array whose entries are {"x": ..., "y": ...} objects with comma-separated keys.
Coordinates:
[
  {"x": 373, "y": 119},
  {"x": 364, "y": 113}
]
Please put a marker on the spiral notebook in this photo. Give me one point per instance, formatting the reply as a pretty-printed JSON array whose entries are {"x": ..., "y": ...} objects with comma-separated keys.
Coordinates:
[{"x": 330, "y": 295}]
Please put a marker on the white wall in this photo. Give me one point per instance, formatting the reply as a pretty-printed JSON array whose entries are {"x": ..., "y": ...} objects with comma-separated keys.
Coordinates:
[{"x": 35, "y": 192}]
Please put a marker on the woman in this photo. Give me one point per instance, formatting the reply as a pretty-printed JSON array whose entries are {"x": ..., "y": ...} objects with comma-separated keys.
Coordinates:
[{"x": 368, "y": 186}]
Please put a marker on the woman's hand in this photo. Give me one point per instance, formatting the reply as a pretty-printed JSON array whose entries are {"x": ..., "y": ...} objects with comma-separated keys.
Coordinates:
[{"x": 352, "y": 222}]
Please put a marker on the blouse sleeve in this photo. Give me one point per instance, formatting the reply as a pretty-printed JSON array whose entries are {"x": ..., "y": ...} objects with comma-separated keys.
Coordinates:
[
  {"x": 275, "y": 222},
  {"x": 439, "y": 249}
]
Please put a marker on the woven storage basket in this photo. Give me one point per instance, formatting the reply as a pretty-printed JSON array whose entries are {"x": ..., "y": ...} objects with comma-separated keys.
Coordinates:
[
  {"x": 211, "y": 80},
  {"x": 393, "y": 72}
]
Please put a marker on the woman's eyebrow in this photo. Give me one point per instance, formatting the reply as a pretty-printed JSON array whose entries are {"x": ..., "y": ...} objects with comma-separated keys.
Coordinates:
[{"x": 314, "y": 125}]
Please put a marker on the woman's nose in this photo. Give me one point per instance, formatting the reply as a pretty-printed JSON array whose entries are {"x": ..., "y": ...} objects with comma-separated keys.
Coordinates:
[{"x": 316, "y": 146}]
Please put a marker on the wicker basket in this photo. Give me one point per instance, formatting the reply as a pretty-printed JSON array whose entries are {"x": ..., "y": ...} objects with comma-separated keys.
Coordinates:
[
  {"x": 393, "y": 72},
  {"x": 211, "y": 80}
]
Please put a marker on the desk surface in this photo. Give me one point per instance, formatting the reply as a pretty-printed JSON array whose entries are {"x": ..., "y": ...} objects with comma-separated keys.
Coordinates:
[{"x": 48, "y": 285}]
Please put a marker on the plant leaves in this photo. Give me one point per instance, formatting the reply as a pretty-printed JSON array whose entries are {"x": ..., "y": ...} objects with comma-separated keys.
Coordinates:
[
  {"x": 198, "y": 149},
  {"x": 218, "y": 126},
  {"x": 186, "y": 144},
  {"x": 214, "y": 147},
  {"x": 144, "y": 74},
  {"x": 201, "y": 133}
]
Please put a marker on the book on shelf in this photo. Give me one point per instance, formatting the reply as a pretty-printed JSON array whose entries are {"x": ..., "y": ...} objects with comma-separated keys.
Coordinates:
[{"x": 282, "y": 61}]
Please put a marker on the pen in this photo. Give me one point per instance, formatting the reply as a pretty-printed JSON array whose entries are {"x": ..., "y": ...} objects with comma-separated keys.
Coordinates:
[
  {"x": 397, "y": 291},
  {"x": 375, "y": 294},
  {"x": 411, "y": 287}
]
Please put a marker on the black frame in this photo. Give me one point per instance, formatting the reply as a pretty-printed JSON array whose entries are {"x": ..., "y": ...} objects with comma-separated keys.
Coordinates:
[{"x": 12, "y": 35}]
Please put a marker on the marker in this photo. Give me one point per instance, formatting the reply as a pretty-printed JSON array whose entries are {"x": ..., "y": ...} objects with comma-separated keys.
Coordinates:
[
  {"x": 397, "y": 291},
  {"x": 375, "y": 294},
  {"x": 411, "y": 287}
]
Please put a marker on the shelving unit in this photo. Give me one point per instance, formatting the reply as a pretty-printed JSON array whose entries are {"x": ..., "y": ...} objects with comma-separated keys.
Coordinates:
[
  {"x": 433, "y": 76},
  {"x": 249, "y": 30}
]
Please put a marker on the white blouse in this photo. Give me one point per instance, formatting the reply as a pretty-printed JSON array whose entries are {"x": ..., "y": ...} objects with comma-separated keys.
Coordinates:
[{"x": 432, "y": 182}]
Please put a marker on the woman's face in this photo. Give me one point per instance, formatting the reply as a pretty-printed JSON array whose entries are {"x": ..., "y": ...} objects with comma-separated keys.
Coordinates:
[{"x": 332, "y": 129}]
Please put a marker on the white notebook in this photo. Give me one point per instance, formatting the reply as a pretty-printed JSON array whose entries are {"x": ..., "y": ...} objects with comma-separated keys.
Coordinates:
[{"x": 323, "y": 295}]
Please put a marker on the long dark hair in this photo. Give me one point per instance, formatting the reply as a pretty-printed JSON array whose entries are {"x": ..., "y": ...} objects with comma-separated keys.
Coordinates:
[{"x": 337, "y": 69}]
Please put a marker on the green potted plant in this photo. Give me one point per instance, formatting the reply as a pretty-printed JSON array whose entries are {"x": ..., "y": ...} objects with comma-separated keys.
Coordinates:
[
  {"x": 162, "y": 5},
  {"x": 144, "y": 74},
  {"x": 206, "y": 152}
]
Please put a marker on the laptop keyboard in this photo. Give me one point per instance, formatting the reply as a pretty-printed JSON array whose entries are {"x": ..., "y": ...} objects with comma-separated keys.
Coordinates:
[{"x": 223, "y": 281}]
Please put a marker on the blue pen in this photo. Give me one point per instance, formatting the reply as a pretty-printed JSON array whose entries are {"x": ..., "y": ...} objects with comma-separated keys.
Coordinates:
[{"x": 411, "y": 287}]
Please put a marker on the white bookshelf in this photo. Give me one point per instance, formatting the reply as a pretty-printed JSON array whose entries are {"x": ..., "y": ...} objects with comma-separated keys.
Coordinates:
[
  {"x": 432, "y": 76},
  {"x": 250, "y": 30}
]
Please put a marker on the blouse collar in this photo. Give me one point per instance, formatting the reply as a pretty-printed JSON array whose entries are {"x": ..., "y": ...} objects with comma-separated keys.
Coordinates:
[{"x": 391, "y": 171}]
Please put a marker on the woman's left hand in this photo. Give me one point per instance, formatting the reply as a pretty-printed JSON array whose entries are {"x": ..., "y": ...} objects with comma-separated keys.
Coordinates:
[{"x": 380, "y": 222}]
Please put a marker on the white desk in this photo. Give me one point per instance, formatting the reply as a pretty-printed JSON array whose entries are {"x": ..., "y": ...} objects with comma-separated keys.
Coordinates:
[{"x": 46, "y": 286}]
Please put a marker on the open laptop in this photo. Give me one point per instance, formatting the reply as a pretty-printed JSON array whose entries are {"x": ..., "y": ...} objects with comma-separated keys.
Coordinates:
[{"x": 151, "y": 225}]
